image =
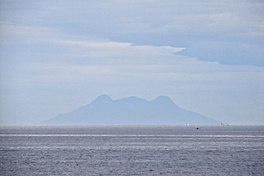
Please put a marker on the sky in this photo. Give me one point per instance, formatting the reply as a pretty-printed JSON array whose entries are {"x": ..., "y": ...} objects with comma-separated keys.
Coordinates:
[{"x": 207, "y": 56}]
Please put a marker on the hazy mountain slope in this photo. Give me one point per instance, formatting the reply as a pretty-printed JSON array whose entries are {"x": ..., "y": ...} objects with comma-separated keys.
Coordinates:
[{"x": 131, "y": 110}]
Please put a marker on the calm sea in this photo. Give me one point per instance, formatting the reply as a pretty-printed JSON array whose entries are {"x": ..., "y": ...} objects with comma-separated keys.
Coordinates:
[{"x": 127, "y": 150}]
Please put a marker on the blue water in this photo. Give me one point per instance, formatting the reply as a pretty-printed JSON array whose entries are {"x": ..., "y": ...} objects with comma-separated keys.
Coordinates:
[{"x": 127, "y": 150}]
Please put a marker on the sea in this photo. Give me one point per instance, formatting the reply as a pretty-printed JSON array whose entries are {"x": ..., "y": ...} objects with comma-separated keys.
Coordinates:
[{"x": 132, "y": 150}]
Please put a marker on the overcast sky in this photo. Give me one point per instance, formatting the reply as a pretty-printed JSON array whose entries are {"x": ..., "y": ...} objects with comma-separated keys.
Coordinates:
[{"x": 208, "y": 56}]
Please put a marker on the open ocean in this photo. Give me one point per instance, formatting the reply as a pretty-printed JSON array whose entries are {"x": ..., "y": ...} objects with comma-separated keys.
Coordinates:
[{"x": 132, "y": 150}]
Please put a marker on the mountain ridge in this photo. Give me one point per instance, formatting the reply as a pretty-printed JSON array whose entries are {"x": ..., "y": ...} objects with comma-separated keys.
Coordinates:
[{"x": 131, "y": 111}]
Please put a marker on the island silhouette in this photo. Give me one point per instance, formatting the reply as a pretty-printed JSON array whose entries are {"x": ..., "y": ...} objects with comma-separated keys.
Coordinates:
[{"x": 131, "y": 111}]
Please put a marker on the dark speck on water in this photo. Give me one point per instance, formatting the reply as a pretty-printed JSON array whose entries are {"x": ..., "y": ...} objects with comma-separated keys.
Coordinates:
[{"x": 132, "y": 150}]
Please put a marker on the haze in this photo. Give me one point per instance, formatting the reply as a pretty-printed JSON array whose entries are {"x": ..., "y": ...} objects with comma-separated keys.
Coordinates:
[{"x": 206, "y": 55}]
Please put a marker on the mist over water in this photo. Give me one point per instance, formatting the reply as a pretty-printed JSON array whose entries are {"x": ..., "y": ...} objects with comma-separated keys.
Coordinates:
[{"x": 132, "y": 150}]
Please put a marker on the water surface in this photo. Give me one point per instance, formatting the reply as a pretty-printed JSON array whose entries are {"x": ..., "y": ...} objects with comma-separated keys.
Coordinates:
[{"x": 131, "y": 150}]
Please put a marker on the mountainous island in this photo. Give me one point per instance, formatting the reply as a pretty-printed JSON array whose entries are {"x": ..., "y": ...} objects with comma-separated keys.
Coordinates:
[{"x": 131, "y": 111}]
